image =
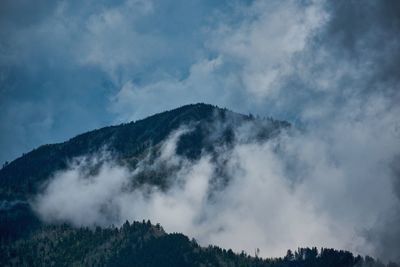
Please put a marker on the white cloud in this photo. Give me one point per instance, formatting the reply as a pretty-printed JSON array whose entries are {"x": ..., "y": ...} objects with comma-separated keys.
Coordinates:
[
  {"x": 252, "y": 61},
  {"x": 201, "y": 85},
  {"x": 113, "y": 43},
  {"x": 318, "y": 188},
  {"x": 266, "y": 41}
]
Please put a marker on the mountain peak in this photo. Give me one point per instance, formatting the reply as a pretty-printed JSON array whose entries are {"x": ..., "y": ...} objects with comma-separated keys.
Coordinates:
[{"x": 127, "y": 141}]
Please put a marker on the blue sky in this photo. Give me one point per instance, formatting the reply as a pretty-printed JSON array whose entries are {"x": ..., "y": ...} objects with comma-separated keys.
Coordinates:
[{"x": 70, "y": 66}]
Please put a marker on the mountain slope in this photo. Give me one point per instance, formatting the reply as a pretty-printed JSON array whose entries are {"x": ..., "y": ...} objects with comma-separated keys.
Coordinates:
[
  {"x": 23, "y": 176},
  {"x": 203, "y": 130},
  {"x": 210, "y": 127}
]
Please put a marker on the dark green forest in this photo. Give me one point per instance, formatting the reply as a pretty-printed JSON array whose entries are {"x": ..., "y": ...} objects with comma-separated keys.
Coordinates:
[{"x": 145, "y": 244}]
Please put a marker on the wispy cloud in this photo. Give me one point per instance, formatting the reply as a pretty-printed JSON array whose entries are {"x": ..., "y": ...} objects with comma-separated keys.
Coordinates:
[{"x": 298, "y": 189}]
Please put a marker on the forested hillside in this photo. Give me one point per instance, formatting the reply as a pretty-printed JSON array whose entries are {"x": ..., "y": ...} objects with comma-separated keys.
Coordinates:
[
  {"x": 144, "y": 244},
  {"x": 24, "y": 176}
]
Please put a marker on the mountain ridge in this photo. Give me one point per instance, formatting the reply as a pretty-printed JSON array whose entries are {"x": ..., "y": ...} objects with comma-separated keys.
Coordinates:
[
  {"x": 127, "y": 139},
  {"x": 24, "y": 178}
]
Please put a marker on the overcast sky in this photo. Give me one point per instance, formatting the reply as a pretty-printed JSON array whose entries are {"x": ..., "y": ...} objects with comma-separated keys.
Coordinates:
[{"x": 70, "y": 66}]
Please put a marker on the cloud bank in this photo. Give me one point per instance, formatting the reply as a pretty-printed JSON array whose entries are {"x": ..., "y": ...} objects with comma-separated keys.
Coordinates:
[{"x": 293, "y": 190}]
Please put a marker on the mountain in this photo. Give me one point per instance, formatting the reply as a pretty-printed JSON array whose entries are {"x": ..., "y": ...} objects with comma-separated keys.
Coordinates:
[
  {"x": 128, "y": 142},
  {"x": 25, "y": 240}
]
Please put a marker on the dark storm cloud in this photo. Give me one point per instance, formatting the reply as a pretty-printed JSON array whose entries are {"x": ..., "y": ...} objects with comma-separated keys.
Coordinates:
[
  {"x": 361, "y": 45},
  {"x": 366, "y": 32}
]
